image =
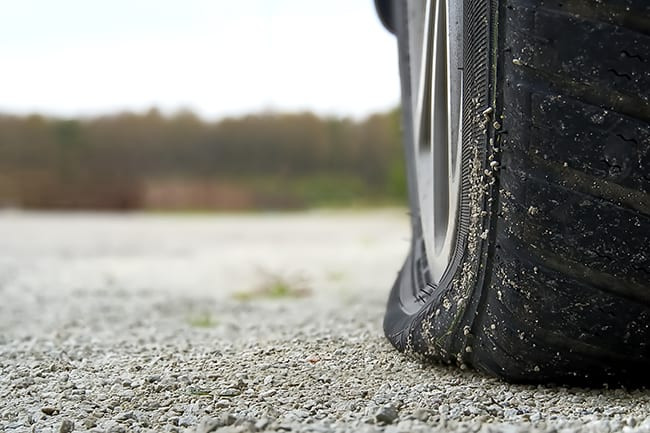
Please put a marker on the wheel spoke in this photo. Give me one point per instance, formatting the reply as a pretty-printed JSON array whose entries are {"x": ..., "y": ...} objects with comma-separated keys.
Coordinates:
[
  {"x": 440, "y": 122},
  {"x": 436, "y": 86},
  {"x": 423, "y": 102}
]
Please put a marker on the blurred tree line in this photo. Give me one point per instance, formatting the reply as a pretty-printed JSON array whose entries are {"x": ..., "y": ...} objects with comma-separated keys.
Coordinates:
[{"x": 151, "y": 161}]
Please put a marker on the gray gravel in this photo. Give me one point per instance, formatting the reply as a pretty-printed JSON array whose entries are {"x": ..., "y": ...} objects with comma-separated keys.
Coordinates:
[{"x": 137, "y": 323}]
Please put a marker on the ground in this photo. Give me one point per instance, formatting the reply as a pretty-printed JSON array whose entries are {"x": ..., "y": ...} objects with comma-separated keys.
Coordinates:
[{"x": 239, "y": 323}]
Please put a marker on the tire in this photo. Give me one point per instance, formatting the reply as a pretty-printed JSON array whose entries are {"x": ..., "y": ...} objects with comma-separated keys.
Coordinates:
[{"x": 547, "y": 274}]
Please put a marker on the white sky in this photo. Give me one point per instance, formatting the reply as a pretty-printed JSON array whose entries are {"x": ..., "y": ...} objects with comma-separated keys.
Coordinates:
[{"x": 216, "y": 57}]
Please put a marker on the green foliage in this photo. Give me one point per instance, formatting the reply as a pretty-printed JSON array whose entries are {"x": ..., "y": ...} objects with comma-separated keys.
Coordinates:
[
  {"x": 149, "y": 161},
  {"x": 203, "y": 320},
  {"x": 397, "y": 181},
  {"x": 276, "y": 287},
  {"x": 326, "y": 190}
]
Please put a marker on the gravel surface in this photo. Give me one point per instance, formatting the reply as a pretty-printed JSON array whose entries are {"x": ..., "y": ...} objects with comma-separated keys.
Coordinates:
[{"x": 238, "y": 324}]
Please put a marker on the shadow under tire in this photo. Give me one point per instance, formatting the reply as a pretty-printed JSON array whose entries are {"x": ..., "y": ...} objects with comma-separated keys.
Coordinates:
[{"x": 548, "y": 279}]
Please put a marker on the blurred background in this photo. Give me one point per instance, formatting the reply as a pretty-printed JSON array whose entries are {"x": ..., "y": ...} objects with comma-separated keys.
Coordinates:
[
  {"x": 198, "y": 105},
  {"x": 182, "y": 181},
  {"x": 174, "y": 162}
]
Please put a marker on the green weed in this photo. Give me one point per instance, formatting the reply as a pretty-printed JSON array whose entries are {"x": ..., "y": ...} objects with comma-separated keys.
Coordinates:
[
  {"x": 203, "y": 320},
  {"x": 276, "y": 287}
]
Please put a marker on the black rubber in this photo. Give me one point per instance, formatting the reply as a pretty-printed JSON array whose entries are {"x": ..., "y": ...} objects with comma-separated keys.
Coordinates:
[
  {"x": 550, "y": 280},
  {"x": 385, "y": 11}
]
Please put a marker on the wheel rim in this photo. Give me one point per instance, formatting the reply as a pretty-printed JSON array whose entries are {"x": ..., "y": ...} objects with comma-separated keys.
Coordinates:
[{"x": 436, "y": 75}]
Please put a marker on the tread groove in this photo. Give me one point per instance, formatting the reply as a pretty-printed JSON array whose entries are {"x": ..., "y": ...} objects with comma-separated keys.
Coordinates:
[{"x": 599, "y": 280}]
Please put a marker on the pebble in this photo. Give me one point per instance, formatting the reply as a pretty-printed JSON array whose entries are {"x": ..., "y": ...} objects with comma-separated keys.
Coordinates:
[
  {"x": 90, "y": 422},
  {"x": 227, "y": 419},
  {"x": 229, "y": 392},
  {"x": 386, "y": 415},
  {"x": 186, "y": 421},
  {"x": 262, "y": 424},
  {"x": 48, "y": 410},
  {"x": 67, "y": 426},
  {"x": 125, "y": 416},
  {"x": 421, "y": 414},
  {"x": 222, "y": 403},
  {"x": 208, "y": 425},
  {"x": 114, "y": 427}
]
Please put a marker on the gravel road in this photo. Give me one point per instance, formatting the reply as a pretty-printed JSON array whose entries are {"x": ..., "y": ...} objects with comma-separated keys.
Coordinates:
[{"x": 238, "y": 323}]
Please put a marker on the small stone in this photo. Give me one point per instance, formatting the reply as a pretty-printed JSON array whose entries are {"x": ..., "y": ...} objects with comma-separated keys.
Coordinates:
[
  {"x": 90, "y": 422},
  {"x": 208, "y": 425},
  {"x": 227, "y": 419},
  {"x": 49, "y": 410},
  {"x": 33, "y": 418},
  {"x": 229, "y": 392},
  {"x": 116, "y": 428},
  {"x": 368, "y": 429},
  {"x": 421, "y": 414},
  {"x": 185, "y": 421},
  {"x": 240, "y": 384},
  {"x": 153, "y": 378},
  {"x": 124, "y": 416},
  {"x": 262, "y": 424},
  {"x": 300, "y": 413},
  {"x": 386, "y": 414},
  {"x": 245, "y": 426},
  {"x": 66, "y": 426}
]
